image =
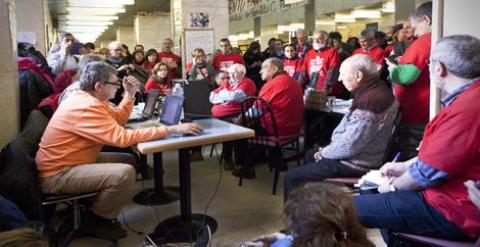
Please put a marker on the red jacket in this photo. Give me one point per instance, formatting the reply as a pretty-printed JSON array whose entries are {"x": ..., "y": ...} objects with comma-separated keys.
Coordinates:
[
  {"x": 221, "y": 60},
  {"x": 316, "y": 65}
]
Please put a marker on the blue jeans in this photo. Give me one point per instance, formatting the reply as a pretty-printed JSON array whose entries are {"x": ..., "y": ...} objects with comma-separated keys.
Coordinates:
[{"x": 406, "y": 212}]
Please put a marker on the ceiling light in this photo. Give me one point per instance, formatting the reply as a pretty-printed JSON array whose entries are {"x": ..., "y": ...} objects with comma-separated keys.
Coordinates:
[
  {"x": 95, "y": 11},
  {"x": 366, "y": 13},
  {"x": 344, "y": 18},
  {"x": 87, "y": 23},
  {"x": 91, "y": 18},
  {"x": 100, "y": 3},
  {"x": 388, "y": 7}
]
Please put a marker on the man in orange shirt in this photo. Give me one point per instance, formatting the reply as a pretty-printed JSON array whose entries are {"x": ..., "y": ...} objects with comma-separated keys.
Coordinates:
[{"x": 69, "y": 159}]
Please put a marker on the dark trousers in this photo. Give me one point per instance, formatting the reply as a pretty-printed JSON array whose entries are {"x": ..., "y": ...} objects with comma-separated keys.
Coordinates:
[
  {"x": 316, "y": 171},
  {"x": 406, "y": 212}
]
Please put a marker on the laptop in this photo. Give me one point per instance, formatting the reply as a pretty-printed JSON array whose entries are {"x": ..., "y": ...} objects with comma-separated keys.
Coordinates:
[
  {"x": 149, "y": 108},
  {"x": 197, "y": 99},
  {"x": 171, "y": 113}
]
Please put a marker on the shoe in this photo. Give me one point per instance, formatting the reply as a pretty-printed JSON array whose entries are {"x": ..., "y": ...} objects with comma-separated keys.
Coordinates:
[
  {"x": 249, "y": 173},
  {"x": 102, "y": 228},
  {"x": 228, "y": 165},
  {"x": 196, "y": 155}
]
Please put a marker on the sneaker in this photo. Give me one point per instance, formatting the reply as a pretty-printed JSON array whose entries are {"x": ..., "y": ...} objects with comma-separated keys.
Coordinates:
[
  {"x": 228, "y": 165},
  {"x": 249, "y": 173},
  {"x": 102, "y": 228}
]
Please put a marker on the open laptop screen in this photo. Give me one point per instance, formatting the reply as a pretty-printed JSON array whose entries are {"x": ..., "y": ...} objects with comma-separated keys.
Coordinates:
[
  {"x": 150, "y": 104},
  {"x": 172, "y": 110}
]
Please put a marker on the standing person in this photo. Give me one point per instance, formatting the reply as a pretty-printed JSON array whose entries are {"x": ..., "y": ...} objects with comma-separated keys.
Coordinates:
[
  {"x": 319, "y": 61},
  {"x": 253, "y": 61},
  {"x": 126, "y": 53},
  {"x": 139, "y": 48},
  {"x": 270, "y": 49},
  {"x": 344, "y": 50},
  {"x": 69, "y": 160},
  {"x": 60, "y": 56},
  {"x": 369, "y": 47},
  {"x": 151, "y": 61},
  {"x": 278, "y": 49},
  {"x": 302, "y": 46},
  {"x": 138, "y": 57},
  {"x": 189, "y": 65},
  {"x": 167, "y": 56},
  {"x": 160, "y": 80},
  {"x": 426, "y": 195},
  {"x": 412, "y": 83},
  {"x": 225, "y": 58},
  {"x": 202, "y": 69},
  {"x": 293, "y": 64},
  {"x": 353, "y": 42}
]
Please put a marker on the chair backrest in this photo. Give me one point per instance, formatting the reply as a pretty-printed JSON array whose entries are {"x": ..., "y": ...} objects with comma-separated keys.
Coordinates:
[
  {"x": 388, "y": 149},
  {"x": 33, "y": 131},
  {"x": 257, "y": 114}
]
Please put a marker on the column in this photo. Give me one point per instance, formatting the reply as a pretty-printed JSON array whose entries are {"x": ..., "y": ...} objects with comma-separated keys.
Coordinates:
[
  {"x": 403, "y": 9},
  {"x": 9, "y": 95},
  {"x": 150, "y": 28},
  {"x": 310, "y": 16},
  {"x": 31, "y": 22},
  {"x": 125, "y": 34}
]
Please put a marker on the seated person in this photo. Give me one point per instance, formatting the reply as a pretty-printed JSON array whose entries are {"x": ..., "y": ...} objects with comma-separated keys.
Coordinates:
[
  {"x": 318, "y": 214},
  {"x": 227, "y": 98},
  {"x": 201, "y": 69},
  {"x": 69, "y": 159},
  {"x": 358, "y": 143},
  {"x": 60, "y": 56},
  {"x": 285, "y": 97},
  {"x": 160, "y": 80},
  {"x": 426, "y": 195}
]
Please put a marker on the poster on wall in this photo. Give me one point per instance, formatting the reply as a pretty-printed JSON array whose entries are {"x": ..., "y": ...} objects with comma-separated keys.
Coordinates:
[
  {"x": 198, "y": 20},
  {"x": 195, "y": 38}
]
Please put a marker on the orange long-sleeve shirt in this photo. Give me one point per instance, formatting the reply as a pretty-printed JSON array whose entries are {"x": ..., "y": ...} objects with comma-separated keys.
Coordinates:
[{"x": 81, "y": 126}]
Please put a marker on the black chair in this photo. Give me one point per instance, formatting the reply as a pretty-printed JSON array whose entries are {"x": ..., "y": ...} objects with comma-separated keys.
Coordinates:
[
  {"x": 418, "y": 240},
  {"x": 349, "y": 181},
  {"x": 257, "y": 114}
]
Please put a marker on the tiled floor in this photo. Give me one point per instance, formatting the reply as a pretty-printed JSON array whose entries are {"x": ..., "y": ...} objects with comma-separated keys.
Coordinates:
[{"x": 242, "y": 213}]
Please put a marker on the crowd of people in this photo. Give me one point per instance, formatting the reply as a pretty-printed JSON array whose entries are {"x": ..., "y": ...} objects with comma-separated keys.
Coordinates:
[{"x": 90, "y": 94}]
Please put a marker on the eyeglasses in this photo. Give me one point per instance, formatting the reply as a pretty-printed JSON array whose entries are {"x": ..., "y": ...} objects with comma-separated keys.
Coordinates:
[
  {"x": 116, "y": 49},
  {"x": 116, "y": 83}
]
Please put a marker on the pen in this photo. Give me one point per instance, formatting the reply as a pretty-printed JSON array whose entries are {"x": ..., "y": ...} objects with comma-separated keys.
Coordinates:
[{"x": 396, "y": 157}]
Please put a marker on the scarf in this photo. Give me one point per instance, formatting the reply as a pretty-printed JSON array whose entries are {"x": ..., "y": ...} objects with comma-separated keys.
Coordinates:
[{"x": 373, "y": 95}]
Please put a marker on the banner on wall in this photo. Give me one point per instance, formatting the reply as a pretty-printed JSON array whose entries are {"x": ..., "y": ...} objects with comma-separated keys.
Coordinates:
[{"x": 242, "y": 9}]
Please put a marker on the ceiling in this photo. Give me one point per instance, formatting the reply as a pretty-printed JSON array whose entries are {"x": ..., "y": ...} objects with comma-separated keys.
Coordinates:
[{"x": 57, "y": 8}]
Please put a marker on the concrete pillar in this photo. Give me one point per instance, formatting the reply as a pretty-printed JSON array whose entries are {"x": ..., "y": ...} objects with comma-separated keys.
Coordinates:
[
  {"x": 126, "y": 35},
  {"x": 403, "y": 9},
  {"x": 31, "y": 22},
  {"x": 310, "y": 17},
  {"x": 9, "y": 95},
  {"x": 150, "y": 28}
]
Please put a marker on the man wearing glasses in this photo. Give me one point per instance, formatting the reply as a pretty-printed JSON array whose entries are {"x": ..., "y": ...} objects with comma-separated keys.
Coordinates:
[{"x": 69, "y": 158}]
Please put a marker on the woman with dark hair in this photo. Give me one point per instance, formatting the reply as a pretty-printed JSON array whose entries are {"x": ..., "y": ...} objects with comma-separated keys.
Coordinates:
[
  {"x": 353, "y": 42},
  {"x": 126, "y": 53},
  {"x": 293, "y": 64},
  {"x": 160, "y": 80},
  {"x": 151, "y": 61},
  {"x": 138, "y": 57},
  {"x": 253, "y": 61},
  {"x": 319, "y": 214}
]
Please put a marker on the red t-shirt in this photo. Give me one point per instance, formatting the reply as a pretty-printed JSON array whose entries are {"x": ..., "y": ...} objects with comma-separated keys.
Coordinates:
[
  {"x": 317, "y": 63},
  {"x": 377, "y": 53},
  {"x": 293, "y": 67},
  {"x": 168, "y": 57},
  {"x": 233, "y": 108},
  {"x": 221, "y": 60},
  {"x": 148, "y": 66},
  {"x": 285, "y": 96},
  {"x": 188, "y": 67},
  {"x": 163, "y": 89},
  {"x": 451, "y": 144},
  {"x": 414, "y": 98},
  {"x": 388, "y": 50}
]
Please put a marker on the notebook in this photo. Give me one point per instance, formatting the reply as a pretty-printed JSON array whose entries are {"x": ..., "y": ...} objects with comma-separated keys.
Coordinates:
[{"x": 171, "y": 113}]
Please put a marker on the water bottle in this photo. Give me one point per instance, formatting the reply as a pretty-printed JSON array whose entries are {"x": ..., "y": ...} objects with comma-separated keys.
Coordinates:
[{"x": 177, "y": 90}]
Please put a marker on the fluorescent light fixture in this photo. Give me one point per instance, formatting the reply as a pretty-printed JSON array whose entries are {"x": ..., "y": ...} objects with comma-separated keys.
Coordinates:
[
  {"x": 95, "y": 11},
  {"x": 388, "y": 7},
  {"x": 366, "y": 13},
  {"x": 91, "y": 18},
  {"x": 344, "y": 18},
  {"x": 73, "y": 29},
  {"x": 101, "y": 3},
  {"x": 88, "y": 23},
  {"x": 324, "y": 22}
]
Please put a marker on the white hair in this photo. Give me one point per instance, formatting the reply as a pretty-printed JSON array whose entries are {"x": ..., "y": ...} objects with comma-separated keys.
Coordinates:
[
  {"x": 460, "y": 54},
  {"x": 362, "y": 63},
  {"x": 114, "y": 45},
  {"x": 237, "y": 68}
]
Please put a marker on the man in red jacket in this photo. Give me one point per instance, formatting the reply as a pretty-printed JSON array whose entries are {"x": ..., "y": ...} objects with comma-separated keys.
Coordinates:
[
  {"x": 171, "y": 59},
  {"x": 426, "y": 195},
  {"x": 368, "y": 47},
  {"x": 225, "y": 58}
]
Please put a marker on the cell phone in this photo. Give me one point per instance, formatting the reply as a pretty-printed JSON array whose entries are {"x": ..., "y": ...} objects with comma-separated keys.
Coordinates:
[
  {"x": 75, "y": 50},
  {"x": 477, "y": 184}
]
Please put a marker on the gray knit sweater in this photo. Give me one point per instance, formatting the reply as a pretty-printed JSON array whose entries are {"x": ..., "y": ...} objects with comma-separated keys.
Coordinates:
[{"x": 361, "y": 138}]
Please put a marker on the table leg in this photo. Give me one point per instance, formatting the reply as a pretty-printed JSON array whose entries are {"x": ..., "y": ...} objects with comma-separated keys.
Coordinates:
[
  {"x": 186, "y": 226},
  {"x": 160, "y": 195}
]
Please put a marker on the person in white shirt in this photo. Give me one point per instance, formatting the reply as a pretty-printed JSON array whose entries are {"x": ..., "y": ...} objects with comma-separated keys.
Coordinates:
[{"x": 59, "y": 57}]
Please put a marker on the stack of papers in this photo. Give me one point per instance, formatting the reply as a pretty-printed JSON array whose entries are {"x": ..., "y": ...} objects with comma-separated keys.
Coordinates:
[{"x": 372, "y": 180}]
